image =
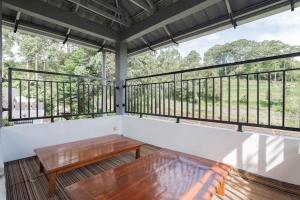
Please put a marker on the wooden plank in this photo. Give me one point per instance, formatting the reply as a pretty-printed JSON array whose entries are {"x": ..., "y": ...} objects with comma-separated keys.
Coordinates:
[{"x": 164, "y": 174}]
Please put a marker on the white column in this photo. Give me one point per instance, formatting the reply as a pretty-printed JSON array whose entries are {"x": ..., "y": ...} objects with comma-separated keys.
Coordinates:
[
  {"x": 121, "y": 75},
  {"x": 103, "y": 79},
  {"x": 1, "y": 67}
]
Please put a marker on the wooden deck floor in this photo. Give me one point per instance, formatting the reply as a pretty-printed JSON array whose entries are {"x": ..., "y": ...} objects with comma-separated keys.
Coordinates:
[{"x": 24, "y": 182}]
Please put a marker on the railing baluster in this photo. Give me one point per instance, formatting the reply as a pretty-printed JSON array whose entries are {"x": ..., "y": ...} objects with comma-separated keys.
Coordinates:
[
  {"x": 10, "y": 106},
  {"x": 238, "y": 98},
  {"x": 51, "y": 102},
  {"x": 148, "y": 101},
  {"x": 102, "y": 98},
  {"x": 115, "y": 97},
  {"x": 128, "y": 106},
  {"x": 247, "y": 85},
  {"x": 151, "y": 98},
  {"x": 37, "y": 98},
  {"x": 193, "y": 98},
  {"x": 269, "y": 99},
  {"x": 144, "y": 99},
  {"x": 174, "y": 94},
  {"x": 64, "y": 98},
  {"x": 206, "y": 97},
  {"x": 97, "y": 98},
  {"x": 181, "y": 94},
  {"x": 199, "y": 99},
  {"x": 169, "y": 99},
  {"x": 57, "y": 99},
  {"x": 70, "y": 97},
  {"x": 106, "y": 91},
  {"x": 88, "y": 96},
  {"x": 131, "y": 100},
  {"x": 155, "y": 104},
  {"x": 138, "y": 98},
  {"x": 213, "y": 99},
  {"x": 187, "y": 99},
  {"x": 257, "y": 98},
  {"x": 229, "y": 97},
  {"x": 93, "y": 102},
  {"x": 221, "y": 98},
  {"x": 159, "y": 98},
  {"x": 83, "y": 97},
  {"x": 141, "y": 98},
  {"x": 20, "y": 99},
  {"x": 164, "y": 105},
  {"x": 45, "y": 103},
  {"x": 78, "y": 96},
  {"x": 110, "y": 98},
  {"x": 283, "y": 99},
  {"x": 28, "y": 100}
]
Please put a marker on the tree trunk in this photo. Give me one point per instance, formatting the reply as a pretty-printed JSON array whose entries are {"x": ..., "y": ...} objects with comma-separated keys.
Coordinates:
[
  {"x": 27, "y": 67},
  {"x": 36, "y": 65}
]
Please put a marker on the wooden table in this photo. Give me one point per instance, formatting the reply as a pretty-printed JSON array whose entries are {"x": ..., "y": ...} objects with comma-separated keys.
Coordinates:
[
  {"x": 164, "y": 174},
  {"x": 65, "y": 157}
]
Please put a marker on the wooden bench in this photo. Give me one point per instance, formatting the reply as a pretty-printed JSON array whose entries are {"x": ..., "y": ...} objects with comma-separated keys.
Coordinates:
[
  {"x": 164, "y": 174},
  {"x": 65, "y": 157}
]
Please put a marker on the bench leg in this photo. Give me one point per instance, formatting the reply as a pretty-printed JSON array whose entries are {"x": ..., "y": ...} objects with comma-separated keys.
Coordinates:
[
  {"x": 41, "y": 168},
  {"x": 52, "y": 184},
  {"x": 221, "y": 188},
  {"x": 137, "y": 153}
]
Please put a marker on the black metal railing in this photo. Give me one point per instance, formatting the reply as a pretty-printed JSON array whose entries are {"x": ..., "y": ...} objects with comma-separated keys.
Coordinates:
[
  {"x": 266, "y": 98},
  {"x": 40, "y": 95}
]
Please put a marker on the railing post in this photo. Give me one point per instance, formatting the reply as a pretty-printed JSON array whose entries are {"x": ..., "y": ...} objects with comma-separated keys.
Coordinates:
[
  {"x": 240, "y": 128},
  {"x": 177, "y": 120},
  {"x": 10, "y": 94}
]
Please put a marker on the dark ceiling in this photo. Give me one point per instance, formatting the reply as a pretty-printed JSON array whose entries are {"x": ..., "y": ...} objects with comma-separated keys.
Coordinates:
[{"x": 143, "y": 24}]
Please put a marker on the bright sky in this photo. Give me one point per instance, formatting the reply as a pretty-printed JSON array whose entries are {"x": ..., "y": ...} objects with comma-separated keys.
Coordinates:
[{"x": 283, "y": 26}]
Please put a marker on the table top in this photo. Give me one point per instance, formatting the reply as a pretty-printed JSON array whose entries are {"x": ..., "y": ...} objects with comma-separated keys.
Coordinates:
[
  {"x": 164, "y": 174},
  {"x": 59, "y": 157}
]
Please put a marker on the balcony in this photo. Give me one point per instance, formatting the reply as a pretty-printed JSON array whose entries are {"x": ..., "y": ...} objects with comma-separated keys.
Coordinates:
[
  {"x": 249, "y": 121},
  {"x": 154, "y": 117}
]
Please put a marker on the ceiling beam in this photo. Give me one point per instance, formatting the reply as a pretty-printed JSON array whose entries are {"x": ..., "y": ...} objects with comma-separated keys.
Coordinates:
[
  {"x": 17, "y": 21},
  {"x": 233, "y": 22},
  {"x": 107, "y": 6},
  {"x": 53, "y": 34},
  {"x": 92, "y": 8},
  {"x": 143, "y": 5},
  {"x": 165, "y": 16},
  {"x": 44, "y": 11}
]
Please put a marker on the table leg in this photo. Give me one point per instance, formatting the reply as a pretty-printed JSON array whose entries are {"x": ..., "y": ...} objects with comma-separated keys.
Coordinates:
[
  {"x": 221, "y": 188},
  {"x": 41, "y": 167},
  {"x": 52, "y": 184},
  {"x": 137, "y": 153}
]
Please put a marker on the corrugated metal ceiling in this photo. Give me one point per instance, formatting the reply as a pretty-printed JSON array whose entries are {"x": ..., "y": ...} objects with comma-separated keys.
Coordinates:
[{"x": 122, "y": 16}]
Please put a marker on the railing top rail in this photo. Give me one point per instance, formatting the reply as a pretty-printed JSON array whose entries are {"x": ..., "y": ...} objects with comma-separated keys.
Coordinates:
[
  {"x": 56, "y": 73},
  {"x": 289, "y": 55}
]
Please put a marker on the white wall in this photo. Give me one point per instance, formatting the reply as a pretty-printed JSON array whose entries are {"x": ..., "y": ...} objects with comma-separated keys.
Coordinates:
[
  {"x": 275, "y": 157},
  {"x": 20, "y": 141}
]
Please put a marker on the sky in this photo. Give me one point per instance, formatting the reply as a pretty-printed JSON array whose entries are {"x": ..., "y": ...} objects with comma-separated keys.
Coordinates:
[{"x": 283, "y": 26}]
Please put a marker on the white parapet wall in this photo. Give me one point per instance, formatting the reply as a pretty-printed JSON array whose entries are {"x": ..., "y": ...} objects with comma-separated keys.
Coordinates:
[
  {"x": 276, "y": 157},
  {"x": 20, "y": 141}
]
